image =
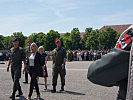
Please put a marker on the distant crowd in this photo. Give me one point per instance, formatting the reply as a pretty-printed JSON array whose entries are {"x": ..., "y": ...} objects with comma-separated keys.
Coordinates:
[
  {"x": 82, "y": 55},
  {"x": 4, "y": 56},
  {"x": 72, "y": 55}
]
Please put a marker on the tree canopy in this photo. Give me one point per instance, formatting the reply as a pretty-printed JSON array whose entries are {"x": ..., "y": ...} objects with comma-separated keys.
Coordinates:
[
  {"x": 92, "y": 39},
  {"x": 108, "y": 38}
]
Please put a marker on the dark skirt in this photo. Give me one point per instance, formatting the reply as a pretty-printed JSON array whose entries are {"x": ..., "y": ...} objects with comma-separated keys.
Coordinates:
[
  {"x": 41, "y": 72},
  {"x": 46, "y": 72}
]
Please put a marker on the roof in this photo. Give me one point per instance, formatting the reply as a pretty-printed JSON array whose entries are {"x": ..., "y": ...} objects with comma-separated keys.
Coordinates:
[
  {"x": 61, "y": 34},
  {"x": 117, "y": 28}
]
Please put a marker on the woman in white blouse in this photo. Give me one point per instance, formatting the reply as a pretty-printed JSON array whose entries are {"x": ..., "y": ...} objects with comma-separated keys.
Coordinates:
[{"x": 34, "y": 63}]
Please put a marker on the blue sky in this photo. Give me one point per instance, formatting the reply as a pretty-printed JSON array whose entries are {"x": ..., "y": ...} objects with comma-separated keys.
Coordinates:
[{"x": 29, "y": 16}]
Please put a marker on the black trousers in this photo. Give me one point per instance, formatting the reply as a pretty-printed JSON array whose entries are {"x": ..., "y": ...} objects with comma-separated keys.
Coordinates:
[
  {"x": 16, "y": 75},
  {"x": 122, "y": 89},
  {"x": 33, "y": 82},
  {"x": 26, "y": 76},
  {"x": 26, "y": 73},
  {"x": 58, "y": 70}
]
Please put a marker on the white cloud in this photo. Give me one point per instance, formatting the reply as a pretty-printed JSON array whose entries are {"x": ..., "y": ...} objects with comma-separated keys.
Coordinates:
[
  {"x": 58, "y": 7},
  {"x": 58, "y": 13},
  {"x": 61, "y": 15},
  {"x": 16, "y": 23},
  {"x": 29, "y": 23},
  {"x": 121, "y": 17}
]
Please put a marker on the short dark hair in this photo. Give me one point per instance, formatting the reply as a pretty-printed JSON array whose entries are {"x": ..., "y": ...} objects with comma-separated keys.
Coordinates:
[{"x": 16, "y": 39}]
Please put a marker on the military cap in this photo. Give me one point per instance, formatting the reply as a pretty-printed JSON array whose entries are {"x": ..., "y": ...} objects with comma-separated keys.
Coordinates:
[
  {"x": 28, "y": 41},
  {"x": 57, "y": 41},
  {"x": 14, "y": 40}
]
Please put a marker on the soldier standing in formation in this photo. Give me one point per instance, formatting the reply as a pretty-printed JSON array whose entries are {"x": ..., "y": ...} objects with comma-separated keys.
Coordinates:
[
  {"x": 59, "y": 59},
  {"x": 17, "y": 55}
]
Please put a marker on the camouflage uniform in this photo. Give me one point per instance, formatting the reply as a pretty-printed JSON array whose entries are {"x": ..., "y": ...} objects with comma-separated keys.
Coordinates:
[
  {"x": 58, "y": 58},
  {"x": 17, "y": 55}
]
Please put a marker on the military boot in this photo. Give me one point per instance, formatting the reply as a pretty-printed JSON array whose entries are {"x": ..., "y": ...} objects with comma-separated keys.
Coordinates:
[
  {"x": 12, "y": 97},
  {"x": 19, "y": 94},
  {"x": 54, "y": 89},
  {"x": 62, "y": 88}
]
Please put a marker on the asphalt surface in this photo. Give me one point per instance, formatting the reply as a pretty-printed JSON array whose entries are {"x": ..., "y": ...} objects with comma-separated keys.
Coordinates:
[{"x": 77, "y": 87}]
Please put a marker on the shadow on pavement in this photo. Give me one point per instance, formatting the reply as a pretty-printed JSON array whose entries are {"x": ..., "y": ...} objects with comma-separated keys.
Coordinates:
[
  {"x": 72, "y": 92},
  {"x": 41, "y": 99},
  {"x": 65, "y": 92},
  {"x": 23, "y": 98},
  {"x": 43, "y": 84},
  {"x": 46, "y": 90}
]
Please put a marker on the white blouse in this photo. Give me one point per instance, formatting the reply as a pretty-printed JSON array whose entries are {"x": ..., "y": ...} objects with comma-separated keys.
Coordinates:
[{"x": 31, "y": 59}]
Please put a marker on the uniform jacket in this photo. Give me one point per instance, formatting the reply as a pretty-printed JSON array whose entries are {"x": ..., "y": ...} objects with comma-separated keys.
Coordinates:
[
  {"x": 17, "y": 55},
  {"x": 58, "y": 56}
]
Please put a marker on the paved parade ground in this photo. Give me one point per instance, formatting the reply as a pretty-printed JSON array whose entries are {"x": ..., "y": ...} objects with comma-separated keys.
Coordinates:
[{"x": 77, "y": 87}]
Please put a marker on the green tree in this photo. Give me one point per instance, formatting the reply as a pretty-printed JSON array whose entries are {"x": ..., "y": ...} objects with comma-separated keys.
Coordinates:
[
  {"x": 85, "y": 36},
  {"x": 21, "y": 38},
  {"x": 108, "y": 38},
  {"x": 92, "y": 40},
  {"x": 117, "y": 36},
  {"x": 66, "y": 41},
  {"x": 32, "y": 37},
  {"x": 75, "y": 39},
  {"x": 40, "y": 41},
  {"x": 1, "y": 42},
  {"x": 7, "y": 42},
  {"x": 38, "y": 38},
  {"x": 51, "y": 37}
]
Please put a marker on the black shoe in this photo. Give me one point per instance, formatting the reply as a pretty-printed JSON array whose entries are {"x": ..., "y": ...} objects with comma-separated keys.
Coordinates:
[
  {"x": 25, "y": 82},
  {"x": 12, "y": 97},
  {"x": 53, "y": 91},
  {"x": 19, "y": 94},
  {"x": 119, "y": 98},
  {"x": 62, "y": 89}
]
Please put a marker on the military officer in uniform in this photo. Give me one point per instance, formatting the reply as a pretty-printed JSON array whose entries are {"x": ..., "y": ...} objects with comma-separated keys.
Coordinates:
[
  {"x": 59, "y": 59},
  {"x": 17, "y": 55},
  {"x": 28, "y": 52}
]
